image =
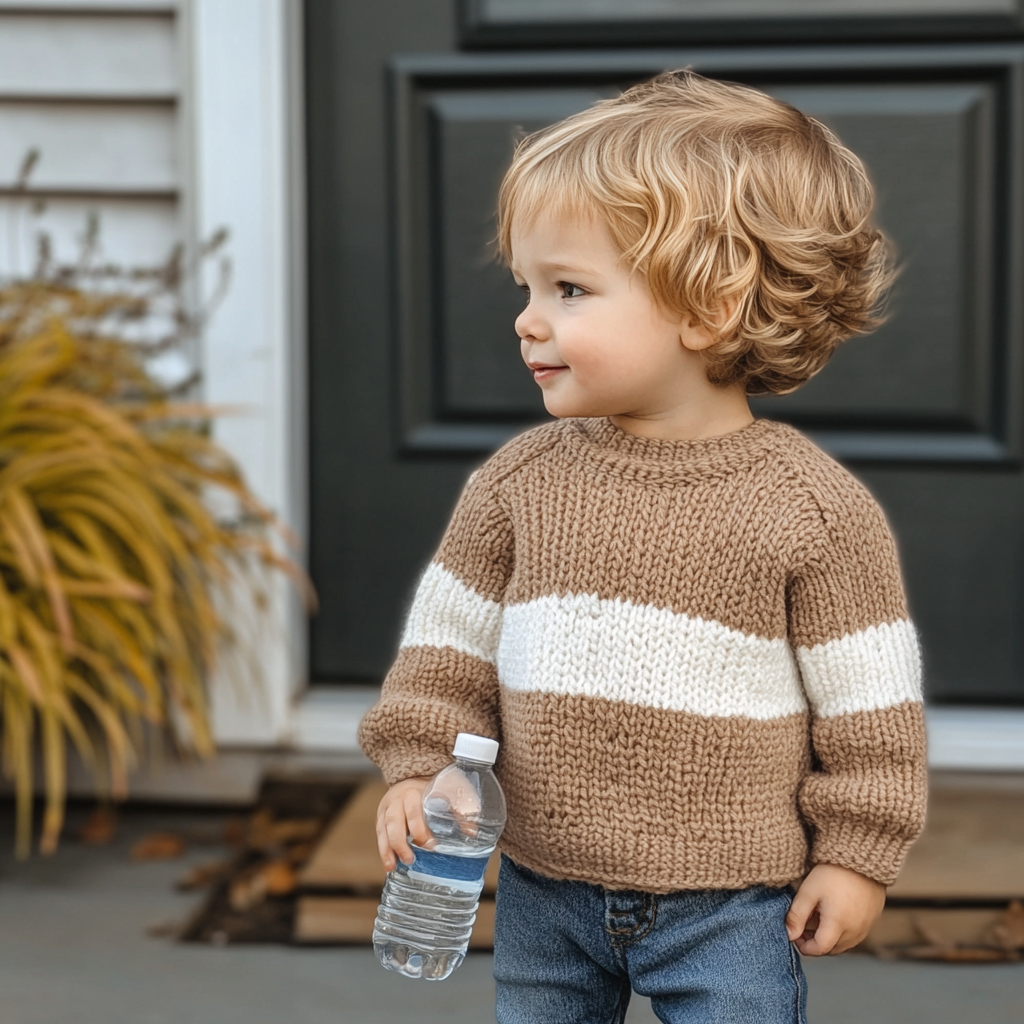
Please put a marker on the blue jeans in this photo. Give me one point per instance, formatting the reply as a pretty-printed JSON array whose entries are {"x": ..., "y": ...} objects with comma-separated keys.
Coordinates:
[{"x": 570, "y": 953}]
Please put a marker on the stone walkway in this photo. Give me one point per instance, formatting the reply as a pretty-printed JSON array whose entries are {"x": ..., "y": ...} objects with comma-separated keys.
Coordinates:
[{"x": 73, "y": 948}]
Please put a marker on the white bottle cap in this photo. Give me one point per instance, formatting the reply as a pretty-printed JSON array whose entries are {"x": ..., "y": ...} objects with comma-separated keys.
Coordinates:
[{"x": 476, "y": 748}]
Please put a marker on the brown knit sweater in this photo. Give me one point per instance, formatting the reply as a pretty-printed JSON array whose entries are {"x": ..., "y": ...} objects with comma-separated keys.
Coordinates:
[{"x": 696, "y": 656}]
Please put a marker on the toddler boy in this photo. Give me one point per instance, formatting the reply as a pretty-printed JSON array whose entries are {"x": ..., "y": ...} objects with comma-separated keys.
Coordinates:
[{"x": 685, "y": 626}]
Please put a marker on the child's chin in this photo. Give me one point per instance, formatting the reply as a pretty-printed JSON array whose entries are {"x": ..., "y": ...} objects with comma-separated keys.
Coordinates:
[
  {"x": 563, "y": 406},
  {"x": 566, "y": 410},
  {"x": 561, "y": 411}
]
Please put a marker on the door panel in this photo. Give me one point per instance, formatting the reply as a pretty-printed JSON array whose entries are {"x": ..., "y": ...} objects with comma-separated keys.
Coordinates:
[
  {"x": 930, "y": 149},
  {"x": 541, "y": 23},
  {"x": 939, "y": 133},
  {"x": 926, "y": 411},
  {"x": 472, "y": 140},
  {"x": 374, "y": 517},
  {"x": 961, "y": 545}
]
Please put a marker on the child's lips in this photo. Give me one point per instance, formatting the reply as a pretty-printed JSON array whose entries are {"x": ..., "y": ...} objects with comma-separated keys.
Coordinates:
[{"x": 542, "y": 373}]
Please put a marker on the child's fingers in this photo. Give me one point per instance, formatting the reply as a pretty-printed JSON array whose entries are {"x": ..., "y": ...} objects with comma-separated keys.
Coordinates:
[
  {"x": 846, "y": 941},
  {"x": 849, "y": 939},
  {"x": 387, "y": 855},
  {"x": 824, "y": 939},
  {"x": 804, "y": 904},
  {"x": 399, "y": 815},
  {"x": 421, "y": 835},
  {"x": 396, "y": 831}
]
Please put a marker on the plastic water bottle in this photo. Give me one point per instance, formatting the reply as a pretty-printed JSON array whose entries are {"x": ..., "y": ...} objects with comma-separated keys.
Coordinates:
[{"x": 428, "y": 908}]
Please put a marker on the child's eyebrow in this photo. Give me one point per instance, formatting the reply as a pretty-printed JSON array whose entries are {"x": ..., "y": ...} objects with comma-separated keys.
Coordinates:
[{"x": 557, "y": 266}]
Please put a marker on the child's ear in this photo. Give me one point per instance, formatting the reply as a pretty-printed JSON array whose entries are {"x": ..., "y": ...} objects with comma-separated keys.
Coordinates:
[{"x": 696, "y": 337}]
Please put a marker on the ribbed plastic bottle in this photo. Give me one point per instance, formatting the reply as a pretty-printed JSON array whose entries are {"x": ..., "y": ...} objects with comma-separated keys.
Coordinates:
[{"x": 428, "y": 908}]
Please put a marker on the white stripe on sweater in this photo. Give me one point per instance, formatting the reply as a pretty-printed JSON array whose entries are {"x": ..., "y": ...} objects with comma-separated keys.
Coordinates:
[
  {"x": 639, "y": 654},
  {"x": 447, "y": 613},
  {"x": 875, "y": 668},
  {"x": 583, "y": 645}
]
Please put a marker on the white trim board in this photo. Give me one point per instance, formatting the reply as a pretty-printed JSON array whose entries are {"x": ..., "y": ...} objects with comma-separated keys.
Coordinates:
[
  {"x": 243, "y": 61},
  {"x": 978, "y": 739},
  {"x": 966, "y": 738},
  {"x": 966, "y": 742},
  {"x": 232, "y": 778},
  {"x": 327, "y": 717}
]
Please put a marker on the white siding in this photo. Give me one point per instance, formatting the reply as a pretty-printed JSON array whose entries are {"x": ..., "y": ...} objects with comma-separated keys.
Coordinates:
[
  {"x": 133, "y": 230},
  {"x": 91, "y": 6},
  {"x": 122, "y": 55},
  {"x": 109, "y": 148},
  {"x": 96, "y": 92},
  {"x": 169, "y": 121}
]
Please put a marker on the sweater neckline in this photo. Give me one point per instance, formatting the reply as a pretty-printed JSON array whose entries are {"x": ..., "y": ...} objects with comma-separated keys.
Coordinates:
[{"x": 652, "y": 459}]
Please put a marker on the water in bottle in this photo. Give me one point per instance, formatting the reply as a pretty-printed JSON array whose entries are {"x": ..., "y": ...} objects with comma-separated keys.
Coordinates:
[{"x": 428, "y": 908}]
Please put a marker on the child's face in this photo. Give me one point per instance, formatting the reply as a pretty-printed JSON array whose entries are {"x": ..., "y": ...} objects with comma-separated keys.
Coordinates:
[{"x": 592, "y": 333}]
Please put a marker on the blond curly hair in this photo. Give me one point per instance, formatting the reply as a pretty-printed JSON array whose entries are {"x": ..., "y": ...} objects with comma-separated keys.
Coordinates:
[{"x": 716, "y": 192}]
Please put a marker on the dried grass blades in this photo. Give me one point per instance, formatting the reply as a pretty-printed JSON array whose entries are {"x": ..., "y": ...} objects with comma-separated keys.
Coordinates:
[{"x": 113, "y": 568}]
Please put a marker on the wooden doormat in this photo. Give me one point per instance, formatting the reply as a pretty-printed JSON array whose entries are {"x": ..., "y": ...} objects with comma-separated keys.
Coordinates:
[
  {"x": 949, "y": 934},
  {"x": 953, "y": 901},
  {"x": 315, "y": 878},
  {"x": 957, "y": 898},
  {"x": 252, "y": 893},
  {"x": 341, "y": 883}
]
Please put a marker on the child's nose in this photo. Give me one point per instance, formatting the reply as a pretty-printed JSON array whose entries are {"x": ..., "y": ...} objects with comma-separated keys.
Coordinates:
[{"x": 530, "y": 326}]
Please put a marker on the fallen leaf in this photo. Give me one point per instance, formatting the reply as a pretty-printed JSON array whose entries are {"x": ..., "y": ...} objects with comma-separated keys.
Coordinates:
[
  {"x": 258, "y": 828},
  {"x": 158, "y": 846},
  {"x": 932, "y": 937},
  {"x": 299, "y": 853},
  {"x": 100, "y": 827},
  {"x": 1008, "y": 932},
  {"x": 252, "y": 887},
  {"x": 264, "y": 832},
  {"x": 234, "y": 832},
  {"x": 957, "y": 954},
  {"x": 279, "y": 877},
  {"x": 203, "y": 875},
  {"x": 297, "y": 830},
  {"x": 247, "y": 891}
]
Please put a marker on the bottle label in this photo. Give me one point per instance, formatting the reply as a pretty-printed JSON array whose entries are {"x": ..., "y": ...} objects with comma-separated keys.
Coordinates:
[{"x": 464, "y": 873}]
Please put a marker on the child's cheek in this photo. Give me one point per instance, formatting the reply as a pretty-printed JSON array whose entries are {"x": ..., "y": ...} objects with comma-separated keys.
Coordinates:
[{"x": 599, "y": 372}]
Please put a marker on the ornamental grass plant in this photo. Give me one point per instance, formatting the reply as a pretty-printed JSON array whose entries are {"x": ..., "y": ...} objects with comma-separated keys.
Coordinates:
[{"x": 116, "y": 572}]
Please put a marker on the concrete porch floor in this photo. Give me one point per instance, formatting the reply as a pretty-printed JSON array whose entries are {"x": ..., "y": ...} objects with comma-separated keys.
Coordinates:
[{"x": 74, "y": 950}]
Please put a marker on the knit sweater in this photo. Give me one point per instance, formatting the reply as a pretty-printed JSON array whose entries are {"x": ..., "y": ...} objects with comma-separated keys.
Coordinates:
[{"x": 696, "y": 656}]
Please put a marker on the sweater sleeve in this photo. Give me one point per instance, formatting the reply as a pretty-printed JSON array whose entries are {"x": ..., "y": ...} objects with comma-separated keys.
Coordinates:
[
  {"x": 444, "y": 680},
  {"x": 860, "y": 664}
]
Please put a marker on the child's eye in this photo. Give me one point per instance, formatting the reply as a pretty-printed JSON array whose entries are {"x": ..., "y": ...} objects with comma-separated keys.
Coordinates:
[
  {"x": 570, "y": 290},
  {"x": 525, "y": 289}
]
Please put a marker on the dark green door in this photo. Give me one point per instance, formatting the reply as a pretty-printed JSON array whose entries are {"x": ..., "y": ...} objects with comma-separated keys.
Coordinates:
[{"x": 415, "y": 373}]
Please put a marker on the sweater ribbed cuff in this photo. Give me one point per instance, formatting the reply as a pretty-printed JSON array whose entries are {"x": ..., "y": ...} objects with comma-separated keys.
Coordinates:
[
  {"x": 398, "y": 763},
  {"x": 877, "y": 855}
]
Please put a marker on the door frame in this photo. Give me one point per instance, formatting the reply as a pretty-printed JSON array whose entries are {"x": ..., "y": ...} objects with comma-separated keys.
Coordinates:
[
  {"x": 242, "y": 140},
  {"x": 245, "y": 169}
]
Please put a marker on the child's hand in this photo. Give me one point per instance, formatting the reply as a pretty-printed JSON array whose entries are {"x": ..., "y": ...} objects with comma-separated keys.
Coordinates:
[
  {"x": 833, "y": 910},
  {"x": 399, "y": 816}
]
